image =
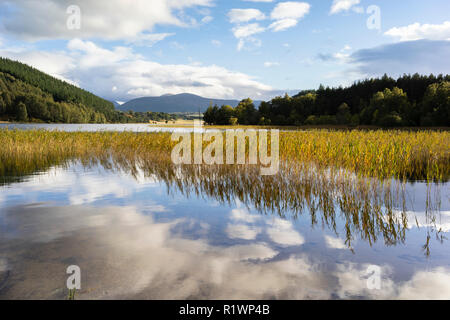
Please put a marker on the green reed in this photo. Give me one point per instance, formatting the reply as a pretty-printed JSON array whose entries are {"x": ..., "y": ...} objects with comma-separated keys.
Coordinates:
[
  {"x": 420, "y": 155},
  {"x": 325, "y": 173}
]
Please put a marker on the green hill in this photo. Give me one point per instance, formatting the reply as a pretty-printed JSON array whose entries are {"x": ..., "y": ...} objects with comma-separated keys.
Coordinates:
[{"x": 29, "y": 94}]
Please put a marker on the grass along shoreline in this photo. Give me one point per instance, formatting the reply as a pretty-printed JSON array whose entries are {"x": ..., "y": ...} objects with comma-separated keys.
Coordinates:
[{"x": 423, "y": 155}]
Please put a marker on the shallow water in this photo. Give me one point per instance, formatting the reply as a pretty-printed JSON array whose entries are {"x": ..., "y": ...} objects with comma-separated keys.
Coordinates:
[
  {"x": 91, "y": 127},
  {"x": 139, "y": 237},
  {"x": 117, "y": 127}
]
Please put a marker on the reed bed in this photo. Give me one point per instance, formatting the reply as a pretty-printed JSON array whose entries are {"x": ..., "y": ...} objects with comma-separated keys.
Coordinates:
[
  {"x": 422, "y": 155},
  {"x": 324, "y": 173},
  {"x": 404, "y": 155}
]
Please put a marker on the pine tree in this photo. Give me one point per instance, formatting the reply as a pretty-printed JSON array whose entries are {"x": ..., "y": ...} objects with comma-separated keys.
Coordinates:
[{"x": 22, "y": 114}]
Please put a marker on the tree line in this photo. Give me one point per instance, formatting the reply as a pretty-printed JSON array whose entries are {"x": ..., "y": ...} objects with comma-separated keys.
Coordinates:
[
  {"x": 27, "y": 94},
  {"x": 408, "y": 101},
  {"x": 149, "y": 116}
]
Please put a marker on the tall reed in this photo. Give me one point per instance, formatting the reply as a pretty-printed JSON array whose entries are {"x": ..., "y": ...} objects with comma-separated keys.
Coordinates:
[
  {"x": 421, "y": 155},
  {"x": 322, "y": 172}
]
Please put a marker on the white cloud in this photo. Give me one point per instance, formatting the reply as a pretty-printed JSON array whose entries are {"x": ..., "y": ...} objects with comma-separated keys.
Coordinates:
[
  {"x": 290, "y": 10},
  {"x": 335, "y": 243},
  {"x": 421, "y": 220},
  {"x": 98, "y": 69},
  {"x": 343, "y": 5},
  {"x": 94, "y": 55},
  {"x": 244, "y": 34},
  {"x": 419, "y": 31},
  {"x": 287, "y": 15},
  {"x": 269, "y": 64},
  {"x": 207, "y": 19},
  {"x": 47, "y": 19},
  {"x": 267, "y": 1},
  {"x": 283, "y": 233},
  {"x": 247, "y": 30},
  {"x": 341, "y": 57},
  {"x": 242, "y": 231},
  {"x": 148, "y": 39},
  {"x": 96, "y": 190},
  {"x": 245, "y": 15},
  {"x": 244, "y": 216},
  {"x": 282, "y": 25},
  {"x": 352, "y": 282},
  {"x": 427, "y": 285},
  {"x": 249, "y": 43},
  {"x": 259, "y": 251}
]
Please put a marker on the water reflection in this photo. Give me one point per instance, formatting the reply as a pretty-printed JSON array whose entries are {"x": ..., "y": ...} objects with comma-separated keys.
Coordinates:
[
  {"x": 148, "y": 229},
  {"x": 126, "y": 254},
  {"x": 369, "y": 208}
]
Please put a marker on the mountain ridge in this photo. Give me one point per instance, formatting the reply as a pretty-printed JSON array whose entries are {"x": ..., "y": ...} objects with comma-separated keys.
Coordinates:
[{"x": 174, "y": 103}]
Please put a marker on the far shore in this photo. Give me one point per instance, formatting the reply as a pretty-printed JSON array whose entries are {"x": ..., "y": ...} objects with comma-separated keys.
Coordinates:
[{"x": 190, "y": 124}]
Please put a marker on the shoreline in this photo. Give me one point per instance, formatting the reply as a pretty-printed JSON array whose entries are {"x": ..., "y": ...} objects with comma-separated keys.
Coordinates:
[
  {"x": 254, "y": 127},
  {"x": 324, "y": 127}
]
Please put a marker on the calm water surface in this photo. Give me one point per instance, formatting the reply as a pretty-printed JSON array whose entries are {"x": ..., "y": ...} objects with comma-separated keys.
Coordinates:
[
  {"x": 89, "y": 127},
  {"x": 137, "y": 237}
]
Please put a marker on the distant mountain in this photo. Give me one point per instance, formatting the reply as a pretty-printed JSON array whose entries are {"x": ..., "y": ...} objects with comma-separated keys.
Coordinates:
[{"x": 184, "y": 102}]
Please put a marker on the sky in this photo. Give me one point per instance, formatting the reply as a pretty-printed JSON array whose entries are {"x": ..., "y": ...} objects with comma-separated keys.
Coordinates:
[{"x": 233, "y": 49}]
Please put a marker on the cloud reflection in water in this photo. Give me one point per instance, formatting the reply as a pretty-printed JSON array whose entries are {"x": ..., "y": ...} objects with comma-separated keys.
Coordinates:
[
  {"x": 126, "y": 254},
  {"x": 132, "y": 240}
]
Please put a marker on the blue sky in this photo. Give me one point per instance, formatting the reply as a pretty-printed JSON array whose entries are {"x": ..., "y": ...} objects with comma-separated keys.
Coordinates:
[{"x": 225, "y": 49}]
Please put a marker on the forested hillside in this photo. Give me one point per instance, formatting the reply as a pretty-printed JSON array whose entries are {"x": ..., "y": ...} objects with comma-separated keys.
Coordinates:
[
  {"x": 408, "y": 101},
  {"x": 20, "y": 101},
  {"x": 47, "y": 98},
  {"x": 27, "y": 94}
]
